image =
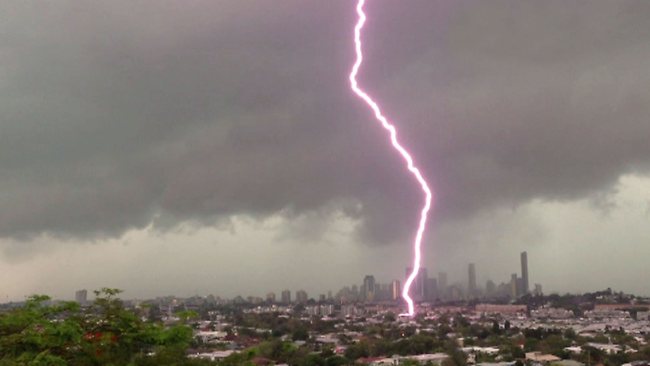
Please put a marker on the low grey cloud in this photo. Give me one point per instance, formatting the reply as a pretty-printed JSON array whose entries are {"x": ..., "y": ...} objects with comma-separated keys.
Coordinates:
[{"x": 118, "y": 114}]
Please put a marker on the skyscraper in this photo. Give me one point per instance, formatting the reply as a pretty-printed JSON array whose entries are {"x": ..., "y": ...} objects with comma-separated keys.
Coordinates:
[
  {"x": 490, "y": 288},
  {"x": 383, "y": 293},
  {"x": 369, "y": 288},
  {"x": 524, "y": 273},
  {"x": 396, "y": 290},
  {"x": 301, "y": 296},
  {"x": 442, "y": 285},
  {"x": 513, "y": 286},
  {"x": 270, "y": 297},
  {"x": 354, "y": 291},
  {"x": 285, "y": 296},
  {"x": 471, "y": 286},
  {"x": 81, "y": 297},
  {"x": 432, "y": 288}
]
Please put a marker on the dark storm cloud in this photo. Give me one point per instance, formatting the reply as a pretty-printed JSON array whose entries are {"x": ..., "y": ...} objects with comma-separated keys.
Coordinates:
[{"x": 119, "y": 113}]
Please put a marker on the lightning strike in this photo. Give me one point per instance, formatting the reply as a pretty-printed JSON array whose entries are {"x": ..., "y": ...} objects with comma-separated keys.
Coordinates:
[{"x": 400, "y": 149}]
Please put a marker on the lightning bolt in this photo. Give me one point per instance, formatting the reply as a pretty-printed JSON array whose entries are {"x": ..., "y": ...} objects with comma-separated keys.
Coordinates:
[{"x": 417, "y": 244}]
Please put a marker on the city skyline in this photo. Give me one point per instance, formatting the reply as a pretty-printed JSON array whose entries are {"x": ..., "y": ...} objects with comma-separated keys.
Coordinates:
[
  {"x": 427, "y": 289},
  {"x": 165, "y": 148}
]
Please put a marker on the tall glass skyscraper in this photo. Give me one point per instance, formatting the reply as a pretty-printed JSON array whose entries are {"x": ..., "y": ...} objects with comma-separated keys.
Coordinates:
[{"x": 524, "y": 273}]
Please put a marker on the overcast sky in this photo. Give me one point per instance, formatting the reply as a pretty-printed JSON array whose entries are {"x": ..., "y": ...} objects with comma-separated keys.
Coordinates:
[{"x": 197, "y": 147}]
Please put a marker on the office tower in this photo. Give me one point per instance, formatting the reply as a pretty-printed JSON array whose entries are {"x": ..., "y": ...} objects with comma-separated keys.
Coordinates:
[
  {"x": 524, "y": 273},
  {"x": 418, "y": 289},
  {"x": 285, "y": 296},
  {"x": 432, "y": 289},
  {"x": 442, "y": 285},
  {"x": 81, "y": 297},
  {"x": 368, "y": 288},
  {"x": 490, "y": 288},
  {"x": 382, "y": 291},
  {"x": 301, "y": 296},
  {"x": 513, "y": 286},
  {"x": 396, "y": 289},
  {"x": 471, "y": 286},
  {"x": 270, "y": 297},
  {"x": 538, "y": 289}
]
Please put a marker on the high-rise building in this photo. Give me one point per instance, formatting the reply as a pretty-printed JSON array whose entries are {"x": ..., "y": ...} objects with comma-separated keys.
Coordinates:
[
  {"x": 270, "y": 297},
  {"x": 369, "y": 288},
  {"x": 382, "y": 292},
  {"x": 419, "y": 291},
  {"x": 513, "y": 286},
  {"x": 471, "y": 285},
  {"x": 490, "y": 288},
  {"x": 81, "y": 297},
  {"x": 442, "y": 285},
  {"x": 396, "y": 289},
  {"x": 301, "y": 296},
  {"x": 524, "y": 273},
  {"x": 285, "y": 296},
  {"x": 538, "y": 289},
  {"x": 432, "y": 289}
]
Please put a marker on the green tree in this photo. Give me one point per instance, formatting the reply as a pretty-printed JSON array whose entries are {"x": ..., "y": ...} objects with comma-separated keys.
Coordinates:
[{"x": 105, "y": 333}]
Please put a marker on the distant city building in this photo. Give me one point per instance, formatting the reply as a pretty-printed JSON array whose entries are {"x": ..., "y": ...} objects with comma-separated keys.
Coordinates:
[
  {"x": 81, "y": 297},
  {"x": 490, "y": 288},
  {"x": 350, "y": 310},
  {"x": 344, "y": 295},
  {"x": 285, "y": 296},
  {"x": 301, "y": 296},
  {"x": 524, "y": 273},
  {"x": 442, "y": 285},
  {"x": 379, "y": 293},
  {"x": 538, "y": 289},
  {"x": 270, "y": 297},
  {"x": 312, "y": 310},
  {"x": 369, "y": 288},
  {"x": 319, "y": 310},
  {"x": 432, "y": 289},
  {"x": 327, "y": 310},
  {"x": 471, "y": 285},
  {"x": 354, "y": 292},
  {"x": 396, "y": 290},
  {"x": 513, "y": 286},
  {"x": 504, "y": 289}
]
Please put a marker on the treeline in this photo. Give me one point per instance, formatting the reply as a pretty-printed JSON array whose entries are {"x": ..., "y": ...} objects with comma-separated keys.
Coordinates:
[{"x": 105, "y": 333}]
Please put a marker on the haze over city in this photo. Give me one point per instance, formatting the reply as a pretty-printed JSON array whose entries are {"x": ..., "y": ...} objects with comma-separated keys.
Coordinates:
[{"x": 165, "y": 148}]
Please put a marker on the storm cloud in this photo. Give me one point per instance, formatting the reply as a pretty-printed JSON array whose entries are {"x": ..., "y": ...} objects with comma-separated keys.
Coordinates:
[{"x": 120, "y": 114}]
